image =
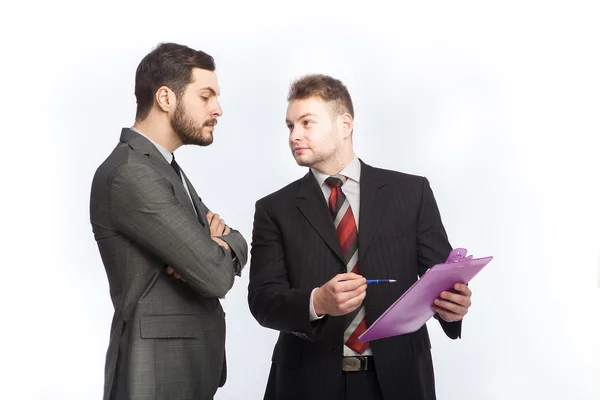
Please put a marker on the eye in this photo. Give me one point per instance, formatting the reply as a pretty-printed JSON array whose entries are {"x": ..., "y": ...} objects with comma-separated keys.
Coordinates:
[
  {"x": 205, "y": 97},
  {"x": 290, "y": 126},
  {"x": 306, "y": 122}
]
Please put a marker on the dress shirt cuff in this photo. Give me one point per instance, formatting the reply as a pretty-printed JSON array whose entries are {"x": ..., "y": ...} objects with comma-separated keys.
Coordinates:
[{"x": 313, "y": 314}]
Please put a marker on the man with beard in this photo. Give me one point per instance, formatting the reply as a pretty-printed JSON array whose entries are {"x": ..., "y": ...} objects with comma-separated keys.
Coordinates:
[{"x": 168, "y": 258}]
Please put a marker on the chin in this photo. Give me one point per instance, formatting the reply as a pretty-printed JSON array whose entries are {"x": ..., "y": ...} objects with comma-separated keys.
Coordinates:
[
  {"x": 303, "y": 162},
  {"x": 204, "y": 139},
  {"x": 207, "y": 140}
]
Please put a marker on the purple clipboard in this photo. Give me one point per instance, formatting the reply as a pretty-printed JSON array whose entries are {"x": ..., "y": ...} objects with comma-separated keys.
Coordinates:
[{"x": 413, "y": 309}]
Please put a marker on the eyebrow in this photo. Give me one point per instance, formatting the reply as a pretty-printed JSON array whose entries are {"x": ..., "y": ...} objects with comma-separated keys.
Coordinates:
[
  {"x": 287, "y": 121},
  {"x": 209, "y": 89}
]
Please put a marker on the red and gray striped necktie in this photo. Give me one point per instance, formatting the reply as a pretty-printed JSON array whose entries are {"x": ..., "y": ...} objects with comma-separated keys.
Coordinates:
[{"x": 345, "y": 225}]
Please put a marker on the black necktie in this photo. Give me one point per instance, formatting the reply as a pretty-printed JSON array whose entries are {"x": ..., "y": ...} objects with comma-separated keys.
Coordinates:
[{"x": 176, "y": 167}]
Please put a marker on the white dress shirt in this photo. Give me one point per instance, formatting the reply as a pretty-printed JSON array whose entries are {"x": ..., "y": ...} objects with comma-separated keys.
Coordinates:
[{"x": 351, "y": 190}]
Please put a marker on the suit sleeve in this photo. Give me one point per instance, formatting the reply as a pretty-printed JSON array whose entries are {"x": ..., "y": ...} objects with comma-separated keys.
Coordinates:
[
  {"x": 237, "y": 243},
  {"x": 272, "y": 301},
  {"x": 143, "y": 207},
  {"x": 433, "y": 246},
  {"x": 239, "y": 248}
]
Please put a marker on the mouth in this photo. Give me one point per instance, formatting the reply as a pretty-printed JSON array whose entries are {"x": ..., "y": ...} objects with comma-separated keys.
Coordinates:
[
  {"x": 210, "y": 124},
  {"x": 299, "y": 150}
]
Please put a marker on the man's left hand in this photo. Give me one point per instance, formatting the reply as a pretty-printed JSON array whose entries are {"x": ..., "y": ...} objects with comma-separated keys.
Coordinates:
[
  {"x": 172, "y": 272},
  {"x": 453, "y": 306}
]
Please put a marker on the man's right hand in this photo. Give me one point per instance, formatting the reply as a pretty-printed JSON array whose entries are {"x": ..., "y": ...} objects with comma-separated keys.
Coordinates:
[
  {"x": 340, "y": 298},
  {"x": 218, "y": 228}
]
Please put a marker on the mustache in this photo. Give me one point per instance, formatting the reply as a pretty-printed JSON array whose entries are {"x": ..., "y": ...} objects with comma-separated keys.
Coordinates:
[{"x": 210, "y": 122}]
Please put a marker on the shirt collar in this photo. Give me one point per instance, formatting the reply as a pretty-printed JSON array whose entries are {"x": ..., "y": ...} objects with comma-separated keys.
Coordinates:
[
  {"x": 352, "y": 171},
  {"x": 166, "y": 153}
]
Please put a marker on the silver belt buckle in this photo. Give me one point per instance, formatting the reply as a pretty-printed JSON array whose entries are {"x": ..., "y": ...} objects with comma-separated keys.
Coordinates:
[{"x": 351, "y": 364}]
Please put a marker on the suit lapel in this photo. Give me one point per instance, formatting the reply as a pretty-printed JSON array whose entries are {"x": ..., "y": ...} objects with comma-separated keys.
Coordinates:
[
  {"x": 312, "y": 205},
  {"x": 373, "y": 201}
]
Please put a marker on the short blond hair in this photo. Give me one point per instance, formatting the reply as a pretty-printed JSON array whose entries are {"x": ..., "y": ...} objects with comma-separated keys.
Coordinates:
[{"x": 324, "y": 87}]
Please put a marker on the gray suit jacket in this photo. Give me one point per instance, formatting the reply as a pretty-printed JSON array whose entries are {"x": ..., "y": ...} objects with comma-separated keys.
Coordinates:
[{"x": 167, "y": 338}]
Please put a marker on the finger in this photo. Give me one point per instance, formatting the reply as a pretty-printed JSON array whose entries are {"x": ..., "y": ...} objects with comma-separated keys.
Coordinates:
[
  {"x": 176, "y": 275},
  {"x": 348, "y": 281},
  {"x": 214, "y": 223},
  {"x": 227, "y": 230},
  {"x": 215, "y": 219},
  {"x": 352, "y": 304},
  {"x": 221, "y": 242},
  {"x": 446, "y": 315},
  {"x": 343, "y": 297},
  {"x": 347, "y": 276},
  {"x": 452, "y": 307},
  {"x": 340, "y": 298},
  {"x": 462, "y": 288},
  {"x": 170, "y": 270},
  {"x": 221, "y": 227},
  {"x": 209, "y": 216},
  {"x": 349, "y": 286},
  {"x": 464, "y": 301}
]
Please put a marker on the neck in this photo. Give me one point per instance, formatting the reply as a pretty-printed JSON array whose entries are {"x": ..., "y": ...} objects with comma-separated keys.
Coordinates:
[
  {"x": 336, "y": 164},
  {"x": 159, "y": 130}
]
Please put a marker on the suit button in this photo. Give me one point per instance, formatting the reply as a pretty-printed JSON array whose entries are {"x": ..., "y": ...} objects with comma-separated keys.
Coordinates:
[{"x": 337, "y": 349}]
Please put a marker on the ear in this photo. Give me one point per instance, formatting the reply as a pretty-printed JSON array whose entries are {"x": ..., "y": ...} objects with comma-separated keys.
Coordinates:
[
  {"x": 346, "y": 124},
  {"x": 165, "y": 99}
]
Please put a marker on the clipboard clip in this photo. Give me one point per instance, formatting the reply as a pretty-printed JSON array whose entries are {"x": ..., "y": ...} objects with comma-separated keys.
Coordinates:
[{"x": 458, "y": 255}]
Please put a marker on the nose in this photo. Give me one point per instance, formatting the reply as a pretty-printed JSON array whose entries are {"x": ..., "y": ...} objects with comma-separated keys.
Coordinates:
[
  {"x": 295, "y": 134},
  {"x": 218, "y": 111}
]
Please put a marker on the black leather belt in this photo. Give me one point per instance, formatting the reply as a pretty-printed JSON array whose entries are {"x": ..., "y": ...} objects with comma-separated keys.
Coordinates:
[{"x": 358, "y": 363}]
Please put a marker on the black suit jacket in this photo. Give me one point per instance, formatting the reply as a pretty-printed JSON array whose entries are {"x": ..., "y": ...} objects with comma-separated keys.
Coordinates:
[{"x": 295, "y": 249}]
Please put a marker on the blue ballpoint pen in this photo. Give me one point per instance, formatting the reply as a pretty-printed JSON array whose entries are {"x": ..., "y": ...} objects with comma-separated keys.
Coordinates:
[{"x": 369, "y": 281}]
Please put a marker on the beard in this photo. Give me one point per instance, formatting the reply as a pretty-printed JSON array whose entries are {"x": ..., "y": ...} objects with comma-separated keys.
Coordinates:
[{"x": 190, "y": 131}]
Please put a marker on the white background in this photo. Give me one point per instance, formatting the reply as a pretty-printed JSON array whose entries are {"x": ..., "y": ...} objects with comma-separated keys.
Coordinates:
[{"x": 496, "y": 104}]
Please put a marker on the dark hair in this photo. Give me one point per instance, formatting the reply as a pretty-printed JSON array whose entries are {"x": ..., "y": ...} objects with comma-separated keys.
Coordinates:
[
  {"x": 171, "y": 65},
  {"x": 326, "y": 88}
]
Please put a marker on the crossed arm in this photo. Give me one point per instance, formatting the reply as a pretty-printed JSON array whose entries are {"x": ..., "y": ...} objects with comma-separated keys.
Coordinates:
[{"x": 144, "y": 208}]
